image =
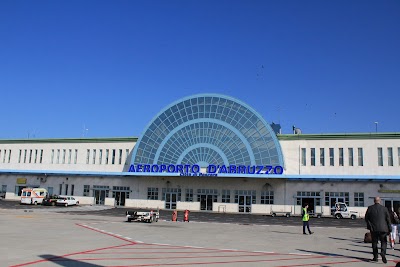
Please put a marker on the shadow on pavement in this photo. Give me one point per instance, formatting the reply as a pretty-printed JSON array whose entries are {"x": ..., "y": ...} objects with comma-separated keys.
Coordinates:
[
  {"x": 335, "y": 255},
  {"x": 62, "y": 261}
]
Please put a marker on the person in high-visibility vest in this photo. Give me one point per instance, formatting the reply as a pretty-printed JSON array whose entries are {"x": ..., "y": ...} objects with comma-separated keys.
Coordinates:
[{"x": 306, "y": 218}]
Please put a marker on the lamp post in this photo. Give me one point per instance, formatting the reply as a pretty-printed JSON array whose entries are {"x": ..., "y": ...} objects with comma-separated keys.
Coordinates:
[{"x": 376, "y": 126}]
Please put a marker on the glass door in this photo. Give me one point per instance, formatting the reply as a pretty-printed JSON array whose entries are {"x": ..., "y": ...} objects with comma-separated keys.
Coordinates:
[
  {"x": 170, "y": 201},
  {"x": 245, "y": 204},
  {"x": 100, "y": 196}
]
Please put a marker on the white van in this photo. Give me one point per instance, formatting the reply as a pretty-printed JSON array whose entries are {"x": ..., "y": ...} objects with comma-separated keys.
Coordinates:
[{"x": 33, "y": 195}]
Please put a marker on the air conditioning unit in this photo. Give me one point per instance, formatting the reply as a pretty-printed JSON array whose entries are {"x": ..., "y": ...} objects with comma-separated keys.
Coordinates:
[{"x": 43, "y": 179}]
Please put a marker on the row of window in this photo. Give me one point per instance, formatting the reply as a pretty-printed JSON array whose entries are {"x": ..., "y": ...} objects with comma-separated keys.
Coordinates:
[
  {"x": 331, "y": 154},
  {"x": 68, "y": 156},
  {"x": 350, "y": 156},
  {"x": 267, "y": 197}
]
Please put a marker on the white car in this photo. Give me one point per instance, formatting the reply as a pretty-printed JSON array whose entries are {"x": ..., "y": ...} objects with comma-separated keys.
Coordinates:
[{"x": 67, "y": 201}]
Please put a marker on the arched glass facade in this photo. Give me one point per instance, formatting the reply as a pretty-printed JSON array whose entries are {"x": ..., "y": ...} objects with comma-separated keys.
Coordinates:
[{"x": 208, "y": 129}]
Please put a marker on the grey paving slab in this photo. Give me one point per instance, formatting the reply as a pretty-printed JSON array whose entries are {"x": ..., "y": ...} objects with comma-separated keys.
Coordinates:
[{"x": 62, "y": 239}]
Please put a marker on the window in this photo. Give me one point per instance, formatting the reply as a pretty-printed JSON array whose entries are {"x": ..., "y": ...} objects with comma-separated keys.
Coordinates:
[
  {"x": 24, "y": 155},
  {"x": 30, "y": 156},
  {"x": 312, "y": 156},
  {"x": 226, "y": 196},
  {"x": 107, "y": 151},
  {"x": 120, "y": 157},
  {"x": 64, "y": 154},
  {"x": 360, "y": 157},
  {"x": 86, "y": 190},
  {"x": 4, "y": 156},
  {"x": 380, "y": 156},
  {"x": 94, "y": 156},
  {"x": 351, "y": 159},
  {"x": 9, "y": 156},
  {"x": 60, "y": 189},
  {"x": 390, "y": 156},
  {"x": 66, "y": 189},
  {"x": 152, "y": 193},
  {"x": 340, "y": 156},
  {"x": 322, "y": 156},
  {"x": 332, "y": 197},
  {"x": 127, "y": 156},
  {"x": 50, "y": 190},
  {"x": 52, "y": 156},
  {"x": 87, "y": 156},
  {"x": 113, "y": 157},
  {"x": 358, "y": 199},
  {"x": 303, "y": 157},
  {"x": 76, "y": 156},
  {"x": 398, "y": 155},
  {"x": 36, "y": 154},
  {"x": 100, "y": 155},
  {"x": 189, "y": 195},
  {"x": 69, "y": 156},
  {"x": 331, "y": 157},
  {"x": 72, "y": 189},
  {"x": 41, "y": 155},
  {"x": 19, "y": 157},
  {"x": 58, "y": 156},
  {"x": 267, "y": 197},
  {"x": 0, "y": 154},
  {"x": 4, "y": 188}
]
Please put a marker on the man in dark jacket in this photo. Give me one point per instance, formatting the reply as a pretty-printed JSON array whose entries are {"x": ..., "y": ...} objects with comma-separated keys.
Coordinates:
[{"x": 378, "y": 222}]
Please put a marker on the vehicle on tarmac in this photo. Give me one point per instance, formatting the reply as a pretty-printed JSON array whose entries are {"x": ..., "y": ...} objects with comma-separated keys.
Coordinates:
[
  {"x": 33, "y": 195},
  {"x": 341, "y": 211},
  {"x": 67, "y": 201},
  {"x": 50, "y": 201},
  {"x": 142, "y": 216}
]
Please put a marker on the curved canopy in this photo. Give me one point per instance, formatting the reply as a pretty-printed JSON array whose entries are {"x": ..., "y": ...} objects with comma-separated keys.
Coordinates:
[{"x": 208, "y": 129}]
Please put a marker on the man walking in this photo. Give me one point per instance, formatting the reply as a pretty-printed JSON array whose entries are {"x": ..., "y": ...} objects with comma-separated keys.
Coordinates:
[
  {"x": 378, "y": 222},
  {"x": 306, "y": 218}
]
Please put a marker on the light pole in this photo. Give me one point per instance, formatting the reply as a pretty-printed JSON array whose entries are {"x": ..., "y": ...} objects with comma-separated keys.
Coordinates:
[{"x": 376, "y": 126}]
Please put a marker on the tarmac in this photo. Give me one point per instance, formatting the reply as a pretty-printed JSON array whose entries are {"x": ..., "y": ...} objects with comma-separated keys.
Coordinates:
[{"x": 44, "y": 238}]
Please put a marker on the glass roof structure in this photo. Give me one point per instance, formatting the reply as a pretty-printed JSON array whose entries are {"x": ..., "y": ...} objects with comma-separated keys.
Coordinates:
[{"x": 208, "y": 129}]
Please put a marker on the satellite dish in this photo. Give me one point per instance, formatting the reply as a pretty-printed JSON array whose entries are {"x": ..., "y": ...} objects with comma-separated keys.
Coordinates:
[{"x": 297, "y": 131}]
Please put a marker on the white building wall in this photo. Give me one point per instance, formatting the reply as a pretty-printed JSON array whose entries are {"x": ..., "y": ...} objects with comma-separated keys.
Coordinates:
[{"x": 292, "y": 154}]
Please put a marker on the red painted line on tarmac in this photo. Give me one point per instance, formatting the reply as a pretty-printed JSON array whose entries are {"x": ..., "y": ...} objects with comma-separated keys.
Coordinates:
[
  {"x": 321, "y": 263},
  {"x": 105, "y": 233},
  {"x": 215, "y": 262},
  {"x": 172, "y": 257},
  {"x": 67, "y": 255}
]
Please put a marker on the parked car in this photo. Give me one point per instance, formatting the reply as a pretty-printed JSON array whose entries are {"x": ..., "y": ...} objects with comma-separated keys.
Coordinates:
[
  {"x": 67, "y": 201},
  {"x": 50, "y": 201}
]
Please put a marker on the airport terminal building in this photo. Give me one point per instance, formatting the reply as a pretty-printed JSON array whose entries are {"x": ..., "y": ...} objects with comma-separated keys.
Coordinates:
[{"x": 213, "y": 153}]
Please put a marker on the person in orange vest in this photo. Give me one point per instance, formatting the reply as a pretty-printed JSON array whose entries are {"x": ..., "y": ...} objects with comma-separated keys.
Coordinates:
[
  {"x": 186, "y": 216},
  {"x": 306, "y": 218}
]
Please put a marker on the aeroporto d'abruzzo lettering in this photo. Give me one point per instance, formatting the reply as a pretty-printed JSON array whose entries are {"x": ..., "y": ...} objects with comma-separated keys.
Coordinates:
[{"x": 211, "y": 170}]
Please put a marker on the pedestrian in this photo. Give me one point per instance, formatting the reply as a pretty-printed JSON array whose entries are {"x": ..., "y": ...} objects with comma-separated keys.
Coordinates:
[
  {"x": 394, "y": 221},
  {"x": 378, "y": 222},
  {"x": 306, "y": 218}
]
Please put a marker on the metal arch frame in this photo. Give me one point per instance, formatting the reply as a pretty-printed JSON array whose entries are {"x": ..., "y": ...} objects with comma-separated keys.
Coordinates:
[
  {"x": 234, "y": 130},
  {"x": 269, "y": 129},
  {"x": 192, "y": 147}
]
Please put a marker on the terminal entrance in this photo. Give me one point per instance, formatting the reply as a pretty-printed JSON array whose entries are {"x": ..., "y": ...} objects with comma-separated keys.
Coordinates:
[
  {"x": 206, "y": 202},
  {"x": 206, "y": 197},
  {"x": 100, "y": 193},
  {"x": 120, "y": 193},
  {"x": 170, "y": 201},
  {"x": 245, "y": 203}
]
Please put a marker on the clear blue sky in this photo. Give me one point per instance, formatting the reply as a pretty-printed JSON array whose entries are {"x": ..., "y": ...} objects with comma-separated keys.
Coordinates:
[{"x": 111, "y": 66}]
